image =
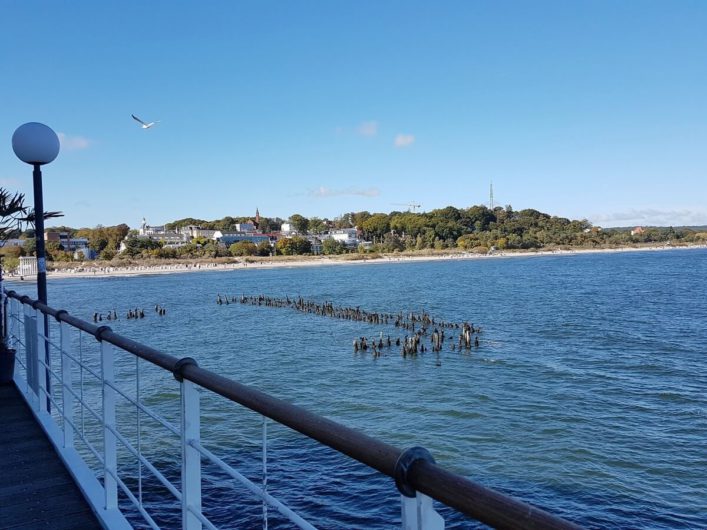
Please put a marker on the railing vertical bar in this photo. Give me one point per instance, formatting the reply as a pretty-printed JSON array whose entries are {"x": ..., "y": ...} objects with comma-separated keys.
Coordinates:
[
  {"x": 139, "y": 429},
  {"x": 265, "y": 471},
  {"x": 83, "y": 427},
  {"x": 9, "y": 318},
  {"x": 418, "y": 513},
  {"x": 66, "y": 386},
  {"x": 31, "y": 354},
  {"x": 110, "y": 460},
  {"x": 41, "y": 381},
  {"x": 191, "y": 458}
]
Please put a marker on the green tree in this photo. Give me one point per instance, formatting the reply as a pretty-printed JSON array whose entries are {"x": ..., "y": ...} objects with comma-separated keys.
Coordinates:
[
  {"x": 264, "y": 248},
  {"x": 410, "y": 224},
  {"x": 135, "y": 247},
  {"x": 357, "y": 219},
  {"x": 162, "y": 253},
  {"x": 376, "y": 225},
  {"x": 10, "y": 263},
  {"x": 188, "y": 251},
  {"x": 477, "y": 218},
  {"x": 30, "y": 247},
  {"x": 345, "y": 221},
  {"x": 98, "y": 243},
  {"x": 103, "y": 237},
  {"x": 227, "y": 223},
  {"x": 316, "y": 225},
  {"x": 299, "y": 223},
  {"x": 332, "y": 246},
  {"x": 116, "y": 234},
  {"x": 291, "y": 246},
  {"x": 447, "y": 229},
  {"x": 107, "y": 254},
  {"x": 52, "y": 249},
  {"x": 189, "y": 221},
  {"x": 265, "y": 225},
  {"x": 391, "y": 243},
  {"x": 243, "y": 248},
  {"x": 450, "y": 213}
]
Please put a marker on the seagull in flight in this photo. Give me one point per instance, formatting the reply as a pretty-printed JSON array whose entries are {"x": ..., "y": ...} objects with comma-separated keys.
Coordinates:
[{"x": 142, "y": 123}]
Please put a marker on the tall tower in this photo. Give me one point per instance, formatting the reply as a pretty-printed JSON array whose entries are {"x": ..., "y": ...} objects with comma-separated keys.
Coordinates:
[
  {"x": 257, "y": 218},
  {"x": 491, "y": 196}
]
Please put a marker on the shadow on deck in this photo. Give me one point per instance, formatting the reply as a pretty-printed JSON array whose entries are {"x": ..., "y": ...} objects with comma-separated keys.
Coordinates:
[{"x": 36, "y": 490}]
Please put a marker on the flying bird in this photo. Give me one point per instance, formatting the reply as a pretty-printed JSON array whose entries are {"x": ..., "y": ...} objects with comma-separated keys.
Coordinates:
[{"x": 142, "y": 123}]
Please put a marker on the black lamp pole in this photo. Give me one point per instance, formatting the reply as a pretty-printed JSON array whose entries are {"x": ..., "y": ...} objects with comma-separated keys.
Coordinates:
[
  {"x": 41, "y": 265},
  {"x": 36, "y": 144},
  {"x": 39, "y": 234}
]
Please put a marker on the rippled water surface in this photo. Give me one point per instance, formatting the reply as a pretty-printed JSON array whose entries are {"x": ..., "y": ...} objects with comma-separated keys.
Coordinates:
[{"x": 587, "y": 395}]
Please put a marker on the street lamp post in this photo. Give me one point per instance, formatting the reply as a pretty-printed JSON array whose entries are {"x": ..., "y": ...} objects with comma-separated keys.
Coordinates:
[{"x": 36, "y": 144}]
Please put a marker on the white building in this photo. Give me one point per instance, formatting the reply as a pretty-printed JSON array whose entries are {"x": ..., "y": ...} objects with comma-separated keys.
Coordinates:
[
  {"x": 28, "y": 266},
  {"x": 168, "y": 238},
  {"x": 196, "y": 231},
  {"x": 286, "y": 228},
  {"x": 67, "y": 243},
  {"x": 147, "y": 230},
  {"x": 228, "y": 238},
  {"x": 347, "y": 236},
  {"x": 245, "y": 227}
]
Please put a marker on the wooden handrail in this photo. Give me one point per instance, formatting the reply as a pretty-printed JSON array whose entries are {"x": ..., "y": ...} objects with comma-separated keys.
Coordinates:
[{"x": 479, "y": 502}]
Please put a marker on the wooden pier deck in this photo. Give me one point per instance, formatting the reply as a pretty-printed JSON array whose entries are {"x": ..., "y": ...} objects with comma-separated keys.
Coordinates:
[{"x": 36, "y": 490}]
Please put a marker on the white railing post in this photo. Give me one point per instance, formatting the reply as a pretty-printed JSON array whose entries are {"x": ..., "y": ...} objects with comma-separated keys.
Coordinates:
[
  {"x": 11, "y": 324},
  {"x": 110, "y": 457},
  {"x": 66, "y": 386},
  {"x": 419, "y": 514},
  {"x": 191, "y": 458},
  {"x": 138, "y": 428},
  {"x": 30, "y": 337},
  {"x": 40, "y": 358},
  {"x": 417, "y": 511},
  {"x": 265, "y": 472}
]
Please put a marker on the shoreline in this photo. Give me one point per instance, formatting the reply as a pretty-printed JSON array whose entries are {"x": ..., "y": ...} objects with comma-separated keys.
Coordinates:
[{"x": 243, "y": 265}]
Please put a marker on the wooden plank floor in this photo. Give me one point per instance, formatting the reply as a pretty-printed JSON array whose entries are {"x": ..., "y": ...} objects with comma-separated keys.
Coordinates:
[{"x": 36, "y": 490}]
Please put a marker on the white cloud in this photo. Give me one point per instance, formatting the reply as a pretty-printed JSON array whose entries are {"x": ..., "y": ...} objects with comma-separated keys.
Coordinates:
[
  {"x": 404, "y": 140},
  {"x": 324, "y": 192},
  {"x": 368, "y": 128},
  {"x": 73, "y": 143},
  {"x": 652, "y": 216}
]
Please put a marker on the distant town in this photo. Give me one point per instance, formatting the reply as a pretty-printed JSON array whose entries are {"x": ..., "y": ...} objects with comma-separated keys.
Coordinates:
[{"x": 477, "y": 229}]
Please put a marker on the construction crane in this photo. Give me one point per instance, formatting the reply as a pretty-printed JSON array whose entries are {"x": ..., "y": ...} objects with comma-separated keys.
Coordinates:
[{"x": 411, "y": 205}]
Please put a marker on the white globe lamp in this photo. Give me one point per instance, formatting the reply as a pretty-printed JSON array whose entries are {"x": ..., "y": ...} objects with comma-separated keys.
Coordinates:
[{"x": 36, "y": 144}]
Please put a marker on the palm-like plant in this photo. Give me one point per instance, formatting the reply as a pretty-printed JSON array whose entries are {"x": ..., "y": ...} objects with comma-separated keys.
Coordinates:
[
  {"x": 12, "y": 209},
  {"x": 12, "y": 213}
]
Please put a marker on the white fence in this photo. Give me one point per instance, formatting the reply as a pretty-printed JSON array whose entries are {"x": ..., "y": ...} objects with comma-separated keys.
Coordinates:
[{"x": 69, "y": 380}]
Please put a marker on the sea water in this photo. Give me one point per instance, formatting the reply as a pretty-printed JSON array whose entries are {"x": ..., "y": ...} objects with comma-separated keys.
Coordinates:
[{"x": 586, "y": 397}]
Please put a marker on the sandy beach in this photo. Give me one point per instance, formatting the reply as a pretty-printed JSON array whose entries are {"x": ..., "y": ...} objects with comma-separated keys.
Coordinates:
[{"x": 89, "y": 270}]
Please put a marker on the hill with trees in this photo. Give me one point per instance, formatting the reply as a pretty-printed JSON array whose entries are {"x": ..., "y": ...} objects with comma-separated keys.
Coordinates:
[{"x": 477, "y": 229}]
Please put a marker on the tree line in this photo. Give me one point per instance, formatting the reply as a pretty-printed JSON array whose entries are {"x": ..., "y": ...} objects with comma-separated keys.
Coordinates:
[{"x": 477, "y": 229}]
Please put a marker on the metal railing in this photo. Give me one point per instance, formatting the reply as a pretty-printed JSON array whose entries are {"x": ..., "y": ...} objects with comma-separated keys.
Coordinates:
[{"x": 86, "y": 390}]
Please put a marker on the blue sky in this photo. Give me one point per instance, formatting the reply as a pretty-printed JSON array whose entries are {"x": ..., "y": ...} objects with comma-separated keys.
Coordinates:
[{"x": 592, "y": 110}]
